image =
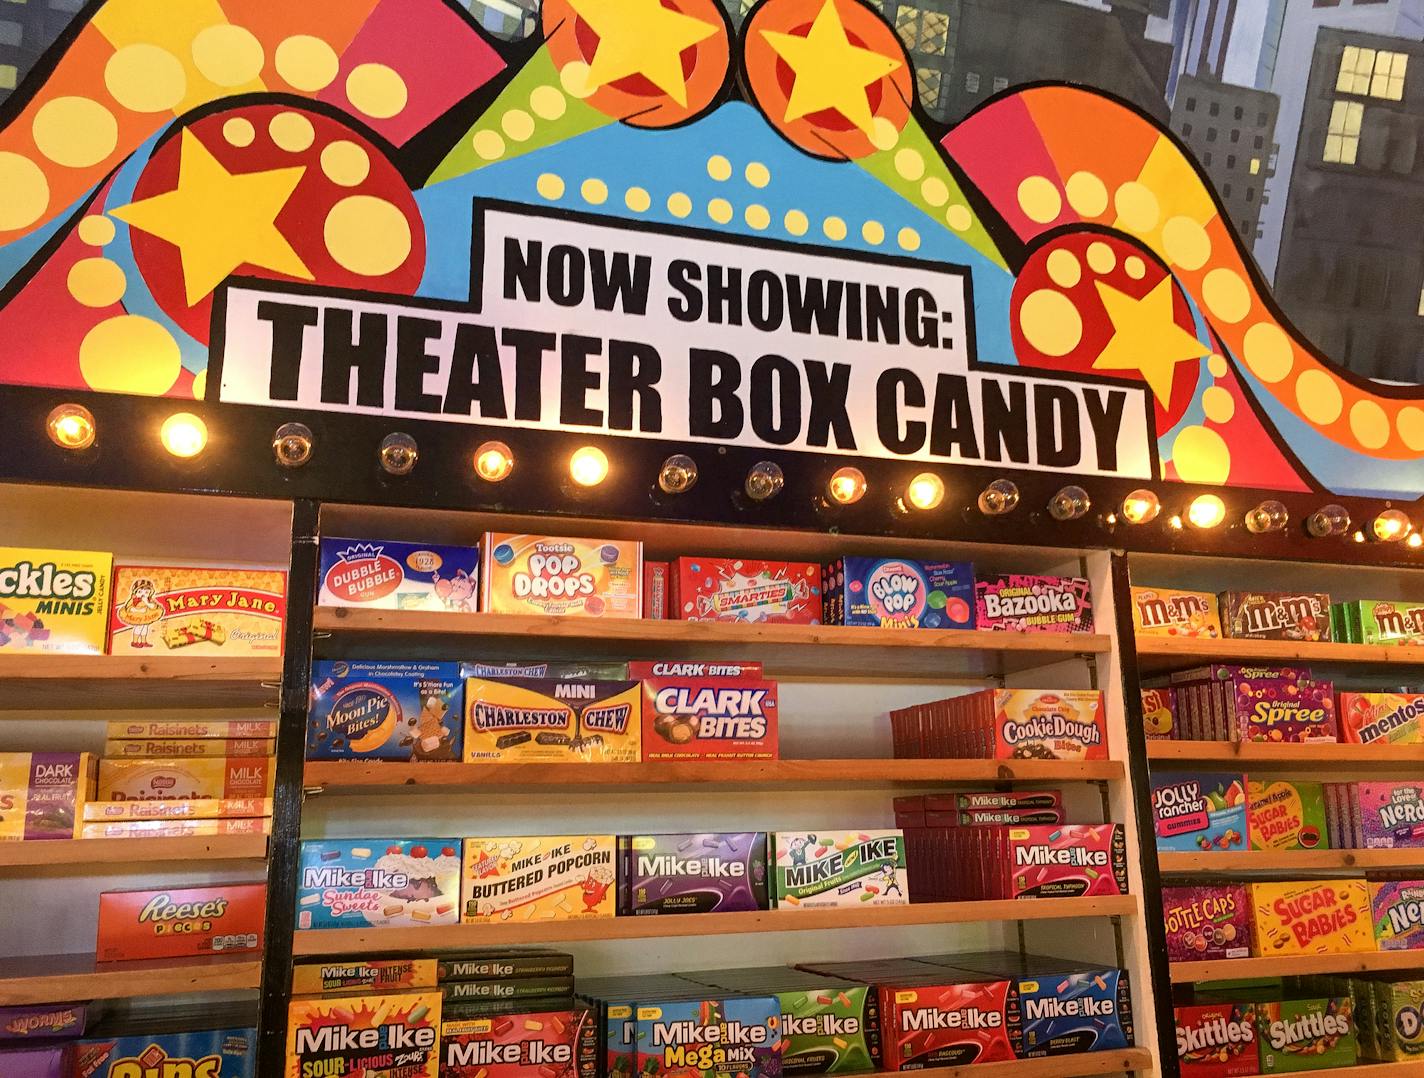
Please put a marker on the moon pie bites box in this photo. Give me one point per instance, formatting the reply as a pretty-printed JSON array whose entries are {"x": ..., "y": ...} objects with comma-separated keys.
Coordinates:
[
  {"x": 54, "y": 600},
  {"x": 1200, "y": 811},
  {"x": 534, "y": 720},
  {"x": 1306, "y": 1034},
  {"x": 1385, "y": 717},
  {"x": 708, "y": 718},
  {"x": 1275, "y": 615},
  {"x": 388, "y": 575},
  {"x": 197, "y": 611},
  {"x": 543, "y": 574},
  {"x": 746, "y": 590},
  {"x": 218, "y": 1053},
  {"x": 1311, "y": 917},
  {"x": 1287, "y": 815},
  {"x": 178, "y": 922},
  {"x": 1398, "y": 909},
  {"x": 692, "y": 873},
  {"x": 1217, "y": 1040},
  {"x": 1171, "y": 612},
  {"x": 1207, "y": 922},
  {"x": 378, "y": 1033},
  {"x": 897, "y": 593},
  {"x": 409, "y": 711},
  {"x": 539, "y": 878},
  {"x": 43, "y": 794},
  {"x": 832, "y": 869},
  {"x": 1023, "y": 603},
  {"x": 379, "y": 883},
  {"x": 711, "y": 1037}
]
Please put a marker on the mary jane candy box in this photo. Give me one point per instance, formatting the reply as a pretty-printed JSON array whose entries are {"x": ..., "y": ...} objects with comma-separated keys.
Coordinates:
[
  {"x": 1389, "y": 815},
  {"x": 1200, "y": 811},
  {"x": 1206, "y": 922},
  {"x": 544, "y": 574},
  {"x": 1024, "y": 603},
  {"x": 1285, "y": 711},
  {"x": 229, "y": 611},
  {"x": 896, "y": 593},
  {"x": 408, "y": 711},
  {"x": 384, "y": 574},
  {"x": 1384, "y": 717},
  {"x": 1311, "y": 917},
  {"x": 1306, "y": 1034},
  {"x": 1170, "y": 612},
  {"x": 1398, "y": 909},
  {"x": 1287, "y": 815},
  {"x": 379, "y": 883},
  {"x": 1276, "y": 615},
  {"x": 1216, "y": 1040},
  {"x": 53, "y": 600}
]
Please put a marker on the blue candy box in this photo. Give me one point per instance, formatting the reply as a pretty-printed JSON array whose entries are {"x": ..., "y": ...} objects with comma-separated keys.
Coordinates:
[{"x": 898, "y": 593}]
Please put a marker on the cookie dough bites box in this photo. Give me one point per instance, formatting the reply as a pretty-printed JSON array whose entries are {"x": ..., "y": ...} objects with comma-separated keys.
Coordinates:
[
  {"x": 544, "y": 574},
  {"x": 197, "y": 611},
  {"x": 53, "y": 600}
]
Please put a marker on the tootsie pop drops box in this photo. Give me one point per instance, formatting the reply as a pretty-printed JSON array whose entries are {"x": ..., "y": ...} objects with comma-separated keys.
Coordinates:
[
  {"x": 544, "y": 574},
  {"x": 197, "y": 611},
  {"x": 54, "y": 600}
]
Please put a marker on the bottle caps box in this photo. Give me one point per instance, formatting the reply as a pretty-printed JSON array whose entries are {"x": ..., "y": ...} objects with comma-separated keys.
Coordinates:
[
  {"x": 1206, "y": 921},
  {"x": 407, "y": 711},
  {"x": 54, "y": 600},
  {"x": 379, "y": 883},
  {"x": 179, "y": 922},
  {"x": 385, "y": 574},
  {"x": 544, "y": 574},
  {"x": 830, "y": 869},
  {"x": 374, "y": 1033},
  {"x": 538, "y": 878},
  {"x": 197, "y": 611}
]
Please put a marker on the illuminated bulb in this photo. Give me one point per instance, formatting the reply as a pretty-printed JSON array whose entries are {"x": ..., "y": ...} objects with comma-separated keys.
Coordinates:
[
  {"x": 1415, "y": 540},
  {"x": 847, "y": 486},
  {"x": 183, "y": 434},
  {"x": 1206, "y": 511},
  {"x": 1269, "y": 516},
  {"x": 588, "y": 466},
  {"x": 1141, "y": 507},
  {"x": 493, "y": 462},
  {"x": 292, "y": 444},
  {"x": 399, "y": 453},
  {"x": 71, "y": 426},
  {"x": 678, "y": 474},
  {"x": 1175, "y": 522},
  {"x": 1070, "y": 503},
  {"x": 999, "y": 497},
  {"x": 764, "y": 481},
  {"x": 925, "y": 491},
  {"x": 1358, "y": 537},
  {"x": 1391, "y": 526},
  {"x": 1328, "y": 520}
]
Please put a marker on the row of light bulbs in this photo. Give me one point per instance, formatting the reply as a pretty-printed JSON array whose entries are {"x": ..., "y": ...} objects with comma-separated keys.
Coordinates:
[{"x": 185, "y": 435}]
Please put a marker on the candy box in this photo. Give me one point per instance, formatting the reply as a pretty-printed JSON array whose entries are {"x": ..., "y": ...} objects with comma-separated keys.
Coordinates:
[
  {"x": 385, "y": 574},
  {"x": 712, "y": 1037},
  {"x": 529, "y": 991},
  {"x": 1311, "y": 917},
  {"x": 1397, "y": 907},
  {"x": 36, "y": 1061},
  {"x": 1306, "y": 1034},
  {"x": 408, "y": 711},
  {"x": 206, "y": 809},
  {"x": 1287, "y": 815},
  {"x": 505, "y": 963},
  {"x": 692, "y": 873},
  {"x": 746, "y": 590},
  {"x": 542, "y": 574},
  {"x": 1277, "y": 710},
  {"x": 709, "y": 718},
  {"x": 174, "y": 828},
  {"x": 198, "y": 746},
  {"x": 1067, "y": 1009},
  {"x": 1171, "y": 612},
  {"x": 544, "y": 878},
  {"x": 1059, "y": 861},
  {"x": 657, "y": 589},
  {"x": 42, "y": 1021},
  {"x": 1389, "y": 815},
  {"x": 566, "y": 670},
  {"x": 1380, "y": 621},
  {"x": 946, "y": 1018},
  {"x": 1216, "y": 1040},
  {"x": 547, "y": 721},
  {"x": 197, "y": 611},
  {"x": 1276, "y": 615},
  {"x": 1206, "y": 922},
  {"x": 1159, "y": 712},
  {"x": 840, "y": 868},
  {"x": 379, "y": 883},
  {"x": 175, "y": 780},
  {"x": 217, "y": 1053},
  {"x": 379, "y": 1033},
  {"x": 365, "y": 975},
  {"x": 512, "y": 1046},
  {"x": 42, "y": 794},
  {"x": 187, "y": 729},
  {"x": 1384, "y": 717},
  {"x": 1200, "y": 811},
  {"x": 897, "y": 593},
  {"x": 1064, "y": 724},
  {"x": 219, "y": 919},
  {"x": 1398, "y": 1006},
  {"x": 54, "y": 600},
  {"x": 1055, "y": 604}
]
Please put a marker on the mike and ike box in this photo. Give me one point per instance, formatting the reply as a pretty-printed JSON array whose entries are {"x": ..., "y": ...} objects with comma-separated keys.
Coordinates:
[
  {"x": 539, "y": 878},
  {"x": 191, "y": 611},
  {"x": 378, "y": 1033},
  {"x": 1311, "y": 917},
  {"x": 181, "y": 922},
  {"x": 539, "y": 720},
  {"x": 545, "y": 574},
  {"x": 370, "y": 974},
  {"x": 54, "y": 600}
]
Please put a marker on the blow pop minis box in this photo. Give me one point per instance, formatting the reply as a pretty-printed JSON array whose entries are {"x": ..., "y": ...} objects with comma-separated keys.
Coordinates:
[
  {"x": 1200, "y": 812},
  {"x": 1066, "y": 1009},
  {"x": 832, "y": 869},
  {"x": 175, "y": 923},
  {"x": 727, "y": 1037},
  {"x": 539, "y": 878},
  {"x": 1287, "y": 815},
  {"x": 379, "y": 883},
  {"x": 1216, "y": 1040},
  {"x": 1384, "y": 717},
  {"x": 42, "y": 1021},
  {"x": 1398, "y": 910},
  {"x": 1389, "y": 815},
  {"x": 746, "y": 590},
  {"x": 542, "y": 574},
  {"x": 692, "y": 873},
  {"x": 1032, "y": 724},
  {"x": 380, "y": 1033},
  {"x": 219, "y": 1053},
  {"x": 1016, "y": 602},
  {"x": 512, "y": 1046},
  {"x": 54, "y": 600},
  {"x": 531, "y": 720},
  {"x": 1172, "y": 612},
  {"x": 896, "y": 593},
  {"x": 1061, "y": 861},
  {"x": 1207, "y": 922},
  {"x": 408, "y": 711},
  {"x": 709, "y": 718},
  {"x": 1311, "y": 917},
  {"x": 368, "y": 975},
  {"x": 197, "y": 611},
  {"x": 43, "y": 794},
  {"x": 1306, "y": 1034},
  {"x": 385, "y": 574}
]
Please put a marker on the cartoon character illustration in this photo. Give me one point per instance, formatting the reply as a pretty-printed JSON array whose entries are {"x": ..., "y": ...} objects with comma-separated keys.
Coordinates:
[
  {"x": 593, "y": 891},
  {"x": 457, "y": 592},
  {"x": 798, "y": 849},
  {"x": 141, "y": 610},
  {"x": 890, "y": 879}
]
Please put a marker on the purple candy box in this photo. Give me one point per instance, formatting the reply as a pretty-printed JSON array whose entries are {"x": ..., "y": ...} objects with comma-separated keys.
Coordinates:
[
  {"x": 40, "y": 1022},
  {"x": 1390, "y": 815},
  {"x": 1282, "y": 710},
  {"x": 1046, "y": 604},
  {"x": 701, "y": 873},
  {"x": 28, "y": 1062}
]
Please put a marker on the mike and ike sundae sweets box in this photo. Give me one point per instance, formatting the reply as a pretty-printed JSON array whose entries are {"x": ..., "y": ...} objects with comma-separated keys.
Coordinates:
[
  {"x": 376, "y": 710},
  {"x": 539, "y": 878},
  {"x": 380, "y": 1033},
  {"x": 54, "y": 600},
  {"x": 897, "y": 593},
  {"x": 544, "y": 720},
  {"x": 180, "y": 922},
  {"x": 746, "y": 590},
  {"x": 43, "y": 794},
  {"x": 1311, "y": 917},
  {"x": 832, "y": 869},
  {"x": 544, "y": 574},
  {"x": 227, "y": 611},
  {"x": 1172, "y": 612},
  {"x": 1207, "y": 922},
  {"x": 1200, "y": 811},
  {"x": 379, "y": 883},
  {"x": 386, "y": 574}
]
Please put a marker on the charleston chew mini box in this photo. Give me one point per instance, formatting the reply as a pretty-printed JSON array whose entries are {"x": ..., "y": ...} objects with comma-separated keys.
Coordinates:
[
  {"x": 217, "y": 1053},
  {"x": 746, "y": 590},
  {"x": 221, "y": 919},
  {"x": 1311, "y": 917},
  {"x": 692, "y": 873},
  {"x": 227, "y": 611},
  {"x": 408, "y": 711},
  {"x": 1217, "y": 1040},
  {"x": 701, "y": 717},
  {"x": 530, "y": 1043},
  {"x": 379, "y": 883},
  {"x": 393, "y": 1033},
  {"x": 539, "y": 878},
  {"x": 365, "y": 975},
  {"x": 534, "y": 720},
  {"x": 829, "y": 869},
  {"x": 1200, "y": 811},
  {"x": 1275, "y": 615},
  {"x": 1023, "y": 603},
  {"x": 1392, "y": 718},
  {"x": 175, "y": 780},
  {"x": 1397, "y": 908},
  {"x": 386, "y": 574},
  {"x": 43, "y": 794},
  {"x": 542, "y": 574},
  {"x": 897, "y": 593},
  {"x": 1171, "y": 612},
  {"x": 54, "y": 600},
  {"x": 1209, "y": 921}
]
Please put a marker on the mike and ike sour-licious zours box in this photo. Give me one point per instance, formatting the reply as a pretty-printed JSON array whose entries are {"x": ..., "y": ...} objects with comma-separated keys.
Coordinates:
[{"x": 395, "y": 1033}]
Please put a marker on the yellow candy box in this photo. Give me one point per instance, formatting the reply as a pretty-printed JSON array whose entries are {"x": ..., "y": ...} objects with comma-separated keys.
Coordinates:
[
  {"x": 545, "y": 720},
  {"x": 54, "y": 600},
  {"x": 1173, "y": 612},
  {"x": 538, "y": 878},
  {"x": 543, "y": 574},
  {"x": 1312, "y": 917}
]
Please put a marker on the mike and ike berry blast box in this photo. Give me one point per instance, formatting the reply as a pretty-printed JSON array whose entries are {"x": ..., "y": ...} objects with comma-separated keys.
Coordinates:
[
  {"x": 222, "y": 919},
  {"x": 362, "y": 1036},
  {"x": 543, "y": 574},
  {"x": 1312, "y": 917},
  {"x": 54, "y": 600}
]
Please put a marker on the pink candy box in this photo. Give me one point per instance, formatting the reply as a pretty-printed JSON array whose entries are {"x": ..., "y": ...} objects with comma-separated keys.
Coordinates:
[
  {"x": 1389, "y": 815},
  {"x": 1065, "y": 860},
  {"x": 1045, "y": 604},
  {"x": 1206, "y": 922}
]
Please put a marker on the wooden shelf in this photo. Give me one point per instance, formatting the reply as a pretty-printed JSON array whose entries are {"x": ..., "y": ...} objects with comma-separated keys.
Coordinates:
[
  {"x": 1137, "y": 1060},
  {"x": 1255, "y": 756},
  {"x": 458, "y": 937},
  {"x": 337, "y": 775},
  {"x": 61, "y": 977},
  {"x": 1156, "y": 654},
  {"x": 1366, "y": 1069},
  {"x": 1286, "y": 860},
  {"x": 138, "y": 851},
  {"x": 824, "y": 651},
  {"x": 1231, "y": 969},
  {"x": 107, "y": 682}
]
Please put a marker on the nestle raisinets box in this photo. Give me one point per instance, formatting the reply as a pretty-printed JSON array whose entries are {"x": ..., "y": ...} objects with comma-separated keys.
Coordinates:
[
  {"x": 828, "y": 869},
  {"x": 1398, "y": 909},
  {"x": 1172, "y": 612},
  {"x": 216, "y": 1053},
  {"x": 1217, "y": 1040},
  {"x": 1368, "y": 718},
  {"x": 544, "y": 574},
  {"x": 408, "y": 711},
  {"x": 384, "y": 574},
  {"x": 367, "y": 1034},
  {"x": 54, "y": 600},
  {"x": 1311, "y": 917},
  {"x": 1389, "y": 815},
  {"x": 1207, "y": 922},
  {"x": 1276, "y": 615},
  {"x": 1306, "y": 1034},
  {"x": 1287, "y": 815},
  {"x": 1024, "y": 603},
  {"x": 706, "y": 717},
  {"x": 379, "y": 883},
  {"x": 898, "y": 593},
  {"x": 1200, "y": 811}
]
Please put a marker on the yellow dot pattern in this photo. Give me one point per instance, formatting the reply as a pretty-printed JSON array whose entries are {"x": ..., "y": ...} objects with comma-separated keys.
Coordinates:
[
  {"x": 679, "y": 204},
  {"x": 518, "y": 125},
  {"x": 96, "y": 230},
  {"x": 1136, "y": 207},
  {"x": 1369, "y": 424},
  {"x": 129, "y": 354},
  {"x": 1410, "y": 422},
  {"x": 239, "y": 131},
  {"x": 1218, "y": 404},
  {"x": 908, "y": 239},
  {"x": 1216, "y": 364},
  {"x": 1063, "y": 268},
  {"x": 1185, "y": 243},
  {"x": 720, "y": 210},
  {"x": 1086, "y": 194},
  {"x": 719, "y": 168},
  {"x": 1050, "y": 322},
  {"x": 376, "y": 90},
  {"x": 757, "y": 174},
  {"x": 872, "y": 232},
  {"x": 910, "y": 164},
  {"x": 637, "y": 199},
  {"x": 834, "y": 228},
  {"x": 1268, "y": 352},
  {"x": 145, "y": 78},
  {"x": 796, "y": 222},
  {"x": 307, "y": 63},
  {"x": 757, "y": 216},
  {"x": 291, "y": 131},
  {"x": 573, "y": 77},
  {"x": 76, "y": 132},
  {"x": 96, "y": 282},
  {"x": 1100, "y": 257},
  {"x": 549, "y": 186},
  {"x": 344, "y": 163},
  {"x": 1201, "y": 456},
  {"x": 1319, "y": 397},
  {"x": 1134, "y": 267},
  {"x": 367, "y": 235},
  {"x": 934, "y": 191},
  {"x": 883, "y": 134},
  {"x": 594, "y": 191},
  {"x": 1039, "y": 199},
  {"x": 488, "y": 144},
  {"x": 959, "y": 218},
  {"x": 228, "y": 55},
  {"x": 547, "y": 102},
  {"x": 1226, "y": 295}
]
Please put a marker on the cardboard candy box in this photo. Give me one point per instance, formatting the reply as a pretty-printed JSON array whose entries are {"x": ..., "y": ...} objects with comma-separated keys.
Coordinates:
[
  {"x": 1388, "y": 815},
  {"x": 176, "y": 779},
  {"x": 37, "y": 1061},
  {"x": 897, "y": 593},
  {"x": 538, "y": 877},
  {"x": 1287, "y": 815},
  {"x": 692, "y": 873},
  {"x": 1068, "y": 1009},
  {"x": 1397, "y": 907},
  {"x": 1368, "y": 718},
  {"x": 42, "y": 1021},
  {"x": 1172, "y": 612},
  {"x": 363, "y": 975},
  {"x": 1311, "y": 917},
  {"x": 1025, "y": 603},
  {"x": 1034, "y": 724},
  {"x": 197, "y": 611},
  {"x": 407, "y": 711},
  {"x": 43, "y": 794},
  {"x": 1217, "y": 1040},
  {"x": 513, "y": 1046},
  {"x": 218, "y": 1053},
  {"x": 385, "y": 574},
  {"x": 708, "y": 718},
  {"x": 746, "y": 590},
  {"x": 379, "y": 883},
  {"x": 532, "y": 720},
  {"x": 1206, "y": 922},
  {"x": 54, "y": 600},
  {"x": 1379, "y": 621},
  {"x": 829, "y": 869},
  {"x": 374, "y": 1033},
  {"x": 1306, "y": 1034},
  {"x": 709, "y": 1037},
  {"x": 543, "y": 574},
  {"x": 1276, "y": 615},
  {"x": 1281, "y": 710},
  {"x": 1159, "y": 710},
  {"x": 1061, "y": 861},
  {"x": 175, "y": 923},
  {"x": 1200, "y": 811},
  {"x": 947, "y": 1020}
]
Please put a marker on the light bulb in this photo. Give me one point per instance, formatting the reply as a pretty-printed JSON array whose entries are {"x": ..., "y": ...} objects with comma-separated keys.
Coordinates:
[
  {"x": 292, "y": 444},
  {"x": 847, "y": 486},
  {"x": 925, "y": 492},
  {"x": 588, "y": 466},
  {"x": 999, "y": 497},
  {"x": 1328, "y": 520},
  {"x": 1269, "y": 516},
  {"x": 1391, "y": 526},
  {"x": 1070, "y": 503},
  {"x": 183, "y": 434},
  {"x": 1206, "y": 511},
  {"x": 1141, "y": 507},
  {"x": 70, "y": 426},
  {"x": 399, "y": 453},
  {"x": 1415, "y": 540},
  {"x": 678, "y": 474},
  {"x": 493, "y": 461},
  {"x": 764, "y": 481}
]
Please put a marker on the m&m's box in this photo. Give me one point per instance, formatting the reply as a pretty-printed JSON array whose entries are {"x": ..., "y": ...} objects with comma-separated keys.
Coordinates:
[
  {"x": 1276, "y": 615},
  {"x": 54, "y": 600},
  {"x": 897, "y": 593},
  {"x": 1171, "y": 612},
  {"x": 746, "y": 590},
  {"x": 1378, "y": 621},
  {"x": 385, "y": 574},
  {"x": 1159, "y": 712},
  {"x": 1311, "y": 917},
  {"x": 545, "y": 574}
]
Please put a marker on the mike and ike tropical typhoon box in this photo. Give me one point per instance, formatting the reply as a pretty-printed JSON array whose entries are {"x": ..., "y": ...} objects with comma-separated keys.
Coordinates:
[{"x": 54, "y": 600}]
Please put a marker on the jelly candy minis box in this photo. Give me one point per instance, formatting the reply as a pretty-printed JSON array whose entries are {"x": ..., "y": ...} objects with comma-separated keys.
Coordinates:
[
  {"x": 379, "y": 883},
  {"x": 54, "y": 600},
  {"x": 1200, "y": 811}
]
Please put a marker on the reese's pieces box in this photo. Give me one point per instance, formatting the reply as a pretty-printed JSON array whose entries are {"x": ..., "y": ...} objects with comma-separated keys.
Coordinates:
[{"x": 181, "y": 922}]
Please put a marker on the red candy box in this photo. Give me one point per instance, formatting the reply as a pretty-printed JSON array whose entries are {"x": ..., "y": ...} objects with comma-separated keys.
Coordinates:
[
  {"x": 944, "y": 1025},
  {"x": 1217, "y": 1041},
  {"x": 746, "y": 590},
  {"x": 708, "y": 718},
  {"x": 513, "y": 1045}
]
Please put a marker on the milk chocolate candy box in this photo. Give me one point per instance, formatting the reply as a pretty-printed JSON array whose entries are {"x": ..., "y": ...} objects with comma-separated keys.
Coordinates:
[{"x": 1276, "y": 615}]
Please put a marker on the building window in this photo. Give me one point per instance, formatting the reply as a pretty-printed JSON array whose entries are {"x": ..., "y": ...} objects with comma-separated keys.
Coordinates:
[
  {"x": 1262, "y": 119},
  {"x": 1250, "y": 194},
  {"x": 1000, "y": 83},
  {"x": 1186, "y": 130},
  {"x": 1421, "y": 303},
  {"x": 1376, "y": 73},
  {"x": 923, "y": 31},
  {"x": 1231, "y": 160},
  {"x": 9, "y": 75},
  {"x": 1239, "y": 112},
  {"x": 1235, "y": 135},
  {"x": 1215, "y": 109},
  {"x": 1211, "y": 134},
  {"x": 928, "y": 80},
  {"x": 1226, "y": 190},
  {"x": 1191, "y": 104},
  {"x": 11, "y": 33},
  {"x": 1388, "y": 79},
  {"x": 1206, "y": 159},
  {"x": 1258, "y": 142},
  {"x": 1342, "y": 141},
  {"x": 1255, "y": 167},
  {"x": 971, "y": 82}
]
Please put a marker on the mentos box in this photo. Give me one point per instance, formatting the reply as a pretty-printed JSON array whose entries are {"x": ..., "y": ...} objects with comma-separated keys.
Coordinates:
[
  {"x": 1397, "y": 907},
  {"x": 1306, "y": 1034},
  {"x": 534, "y": 720},
  {"x": 709, "y": 718},
  {"x": 197, "y": 611},
  {"x": 1206, "y": 922},
  {"x": 1216, "y": 1040},
  {"x": 1171, "y": 612},
  {"x": 362, "y": 975},
  {"x": 1062, "y": 860},
  {"x": 409, "y": 711},
  {"x": 1389, "y": 815},
  {"x": 1311, "y": 917},
  {"x": 37, "y": 1061},
  {"x": 897, "y": 593},
  {"x": 746, "y": 590},
  {"x": 384, "y": 574},
  {"x": 379, "y": 882},
  {"x": 709, "y": 1038},
  {"x": 701, "y": 873},
  {"x": 1159, "y": 712},
  {"x": 219, "y": 1053},
  {"x": 512, "y": 1046},
  {"x": 43, "y": 794},
  {"x": 539, "y": 878},
  {"x": 220, "y": 919},
  {"x": 1276, "y": 615},
  {"x": 54, "y": 600},
  {"x": 829, "y": 869},
  {"x": 1380, "y": 621},
  {"x": 1287, "y": 815},
  {"x": 1383, "y": 717},
  {"x": 1055, "y": 604},
  {"x": 947, "y": 1019},
  {"x": 542, "y": 574},
  {"x": 175, "y": 780},
  {"x": 395, "y": 1033},
  {"x": 1200, "y": 811},
  {"x": 1063, "y": 724},
  {"x": 1279, "y": 710},
  {"x": 1068, "y": 1009},
  {"x": 42, "y": 1021}
]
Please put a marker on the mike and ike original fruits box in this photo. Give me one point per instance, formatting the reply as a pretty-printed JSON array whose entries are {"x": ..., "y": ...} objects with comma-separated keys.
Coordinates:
[
  {"x": 544, "y": 574},
  {"x": 54, "y": 600}
]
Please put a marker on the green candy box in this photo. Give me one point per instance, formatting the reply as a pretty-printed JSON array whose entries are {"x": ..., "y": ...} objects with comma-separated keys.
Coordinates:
[{"x": 1306, "y": 1034}]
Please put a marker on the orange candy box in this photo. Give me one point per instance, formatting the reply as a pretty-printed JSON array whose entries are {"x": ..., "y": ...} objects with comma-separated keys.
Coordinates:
[{"x": 181, "y": 922}]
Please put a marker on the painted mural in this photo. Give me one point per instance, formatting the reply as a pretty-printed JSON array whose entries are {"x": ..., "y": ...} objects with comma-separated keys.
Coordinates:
[{"x": 160, "y": 149}]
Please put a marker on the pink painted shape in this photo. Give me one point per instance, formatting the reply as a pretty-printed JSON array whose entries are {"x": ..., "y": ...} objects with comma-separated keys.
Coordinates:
[{"x": 997, "y": 151}]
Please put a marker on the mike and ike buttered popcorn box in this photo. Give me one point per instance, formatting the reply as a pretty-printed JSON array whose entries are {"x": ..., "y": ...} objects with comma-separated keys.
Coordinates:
[
  {"x": 54, "y": 600},
  {"x": 1311, "y": 917},
  {"x": 544, "y": 574}
]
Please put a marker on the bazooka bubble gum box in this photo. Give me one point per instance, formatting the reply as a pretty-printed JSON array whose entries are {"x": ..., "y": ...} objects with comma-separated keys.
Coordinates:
[
  {"x": 388, "y": 575},
  {"x": 379, "y": 883},
  {"x": 543, "y": 574},
  {"x": 54, "y": 600},
  {"x": 746, "y": 590},
  {"x": 532, "y": 720},
  {"x": 1216, "y": 1040},
  {"x": 692, "y": 873},
  {"x": 408, "y": 711},
  {"x": 539, "y": 878},
  {"x": 728, "y": 1037},
  {"x": 1200, "y": 812},
  {"x": 897, "y": 593},
  {"x": 395, "y": 1033},
  {"x": 1171, "y": 612},
  {"x": 1311, "y": 917},
  {"x": 219, "y": 1053},
  {"x": 1206, "y": 922},
  {"x": 1397, "y": 907},
  {"x": 829, "y": 869},
  {"x": 1017, "y": 602}
]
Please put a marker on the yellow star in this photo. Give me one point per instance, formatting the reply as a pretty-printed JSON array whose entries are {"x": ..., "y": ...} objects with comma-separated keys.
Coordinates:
[
  {"x": 641, "y": 37},
  {"x": 1146, "y": 338},
  {"x": 831, "y": 73},
  {"x": 220, "y": 220}
]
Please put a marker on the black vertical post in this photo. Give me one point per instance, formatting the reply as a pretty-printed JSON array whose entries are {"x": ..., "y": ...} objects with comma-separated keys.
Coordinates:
[{"x": 282, "y": 862}]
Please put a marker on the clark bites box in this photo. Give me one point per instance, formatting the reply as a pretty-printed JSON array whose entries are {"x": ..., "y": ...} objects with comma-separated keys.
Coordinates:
[
  {"x": 543, "y": 574},
  {"x": 829, "y": 869},
  {"x": 539, "y": 878},
  {"x": 534, "y": 720},
  {"x": 708, "y": 718},
  {"x": 1172, "y": 612},
  {"x": 407, "y": 711},
  {"x": 43, "y": 794},
  {"x": 379, "y": 883},
  {"x": 218, "y": 1053},
  {"x": 1311, "y": 917},
  {"x": 396, "y": 1033},
  {"x": 197, "y": 611},
  {"x": 54, "y": 600},
  {"x": 389, "y": 575},
  {"x": 181, "y": 922}
]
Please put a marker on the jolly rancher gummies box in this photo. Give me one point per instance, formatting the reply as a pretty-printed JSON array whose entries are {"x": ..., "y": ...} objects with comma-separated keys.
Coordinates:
[
  {"x": 544, "y": 574},
  {"x": 53, "y": 600}
]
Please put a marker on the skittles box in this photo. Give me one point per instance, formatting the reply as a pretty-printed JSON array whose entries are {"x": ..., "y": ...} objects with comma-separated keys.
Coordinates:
[
  {"x": 379, "y": 1033},
  {"x": 1306, "y": 1034},
  {"x": 1200, "y": 812},
  {"x": 514, "y": 1046},
  {"x": 54, "y": 600},
  {"x": 1063, "y": 724},
  {"x": 832, "y": 869},
  {"x": 358, "y": 975},
  {"x": 388, "y": 575},
  {"x": 1384, "y": 717},
  {"x": 896, "y": 593},
  {"x": 542, "y": 574},
  {"x": 1159, "y": 712},
  {"x": 712, "y": 1037},
  {"x": 1311, "y": 917},
  {"x": 1275, "y": 615},
  {"x": 379, "y": 883},
  {"x": 1206, "y": 922},
  {"x": 221, "y": 919},
  {"x": 1216, "y": 1040},
  {"x": 1019, "y": 603},
  {"x": 217, "y": 1053},
  {"x": 1170, "y": 612},
  {"x": 197, "y": 611},
  {"x": 1067, "y": 1009},
  {"x": 1379, "y": 621},
  {"x": 1287, "y": 815},
  {"x": 1388, "y": 815},
  {"x": 746, "y": 590},
  {"x": 1398, "y": 910},
  {"x": 407, "y": 711},
  {"x": 702, "y": 873},
  {"x": 537, "y": 720},
  {"x": 43, "y": 795},
  {"x": 539, "y": 878},
  {"x": 700, "y": 717}
]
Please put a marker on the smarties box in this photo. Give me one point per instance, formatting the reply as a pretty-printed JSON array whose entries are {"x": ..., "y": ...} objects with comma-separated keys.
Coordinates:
[
  {"x": 539, "y": 877},
  {"x": 1287, "y": 815},
  {"x": 1275, "y": 615},
  {"x": 542, "y": 574},
  {"x": 1054, "y": 604},
  {"x": 228, "y": 611},
  {"x": 709, "y": 1038},
  {"x": 43, "y": 794},
  {"x": 408, "y": 711},
  {"x": 746, "y": 590},
  {"x": 896, "y": 593},
  {"x": 396, "y": 1033},
  {"x": 1171, "y": 612},
  {"x": 701, "y": 873},
  {"x": 534, "y": 720},
  {"x": 54, "y": 600},
  {"x": 1216, "y": 1040},
  {"x": 1311, "y": 917},
  {"x": 1200, "y": 811},
  {"x": 708, "y": 718},
  {"x": 1392, "y": 718},
  {"x": 1306, "y": 1034},
  {"x": 219, "y": 1053},
  {"x": 1206, "y": 922},
  {"x": 221, "y": 919},
  {"x": 388, "y": 575},
  {"x": 840, "y": 868},
  {"x": 379, "y": 882},
  {"x": 1397, "y": 907}
]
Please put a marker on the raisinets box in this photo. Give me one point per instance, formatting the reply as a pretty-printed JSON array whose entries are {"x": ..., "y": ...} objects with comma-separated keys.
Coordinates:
[
  {"x": 1038, "y": 724},
  {"x": 1306, "y": 1034},
  {"x": 1398, "y": 910},
  {"x": 1204, "y": 922},
  {"x": 179, "y": 922},
  {"x": 532, "y": 720},
  {"x": 1287, "y": 815},
  {"x": 712, "y": 1037},
  {"x": 1388, "y": 815},
  {"x": 708, "y": 717},
  {"x": 43, "y": 794},
  {"x": 746, "y": 590},
  {"x": 407, "y": 711},
  {"x": 217, "y": 1053},
  {"x": 897, "y": 593},
  {"x": 228, "y": 611},
  {"x": 385, "y": 574},
  {"x": 379, "y": 882},
  {"x": 692, "y": 873},
  {"x": 1217, "y": 1040},
  {"x": 1384, "y": 717},
  {"x": 174, "y": 779},
  {"x": 1311, "y": 917},
  {"x": 544, "y": 574},
  {"x": 828, "y": 869},
  {"x": 54, "y": 600},
  {"x": 530, "y": 1042},
  {"x": 1200, "y": 811},
  {"x": 1172, "y": 612},
  {"x": 366, "y": 1034},
  {"x": 538, "y": 877},
  {"x": 1055, "y": 604},
  {"x": 1276, "y": 615}
]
